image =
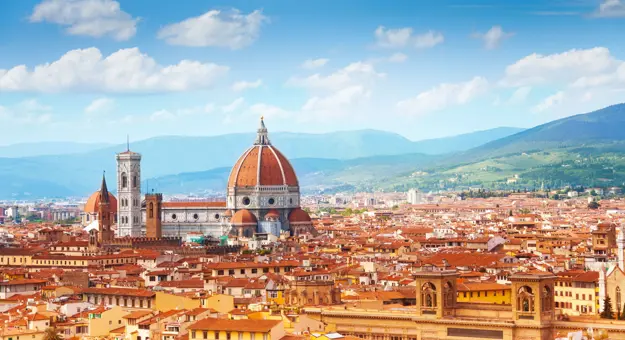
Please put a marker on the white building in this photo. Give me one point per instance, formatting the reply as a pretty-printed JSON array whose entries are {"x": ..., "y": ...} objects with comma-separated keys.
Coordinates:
[{"x": 129, "y": 194}]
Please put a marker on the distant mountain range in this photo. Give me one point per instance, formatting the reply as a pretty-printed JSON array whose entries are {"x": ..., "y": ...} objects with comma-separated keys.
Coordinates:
[
  {"x": 586, "y": 149},
  {"x": 603, "y": 126},
  {"x": 71, "y": 172},
  {"x": 48, "y": 148}
]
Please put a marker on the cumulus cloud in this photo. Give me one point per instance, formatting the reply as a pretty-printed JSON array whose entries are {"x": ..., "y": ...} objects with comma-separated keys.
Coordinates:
[
  {"x": 404, "y": 37},
  {"x": 94, "y": 18},
  {"x": 127, "y": 70},
  {"x": 352, "y": 74},
  {"x": 100, "y": 105},
  {"x": 230, "y": 29},
  {"x": 398, "y": 58},
  {"x": 443, "y": 96},
  {"x": 267, "y": 110},
  {"x": 335, "y": 93},
  {"x": 337, "y": 100},
  {"x": 493, "y": 37},
  {"x": 549, "y": 102},
  {"x": 520, "y": 95},
  {"x": 244, "y": 85},
  {"x": 162, "y": 115},
  {"x": 315, "y": 63},
  {"x": 610, "y": 9},
  {"x": 562, "y": 68},
  {"x": 235, "y": 105},
  {"x": 27, "y": 112},
  {"x": 170, "y": 115}
]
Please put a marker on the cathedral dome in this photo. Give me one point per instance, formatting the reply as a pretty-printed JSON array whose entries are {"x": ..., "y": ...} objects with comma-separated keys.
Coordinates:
[
  {"x": 299, "y": 216},
  {"x": 244, "y": 217},
  {"x": 272, "y": 214},
  {"x": 262, "y": 165},
  {"x": 94, "y": 202}
]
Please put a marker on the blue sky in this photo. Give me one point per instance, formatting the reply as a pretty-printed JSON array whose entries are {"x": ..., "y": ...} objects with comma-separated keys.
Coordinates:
[{"x": 97, "y": 70}]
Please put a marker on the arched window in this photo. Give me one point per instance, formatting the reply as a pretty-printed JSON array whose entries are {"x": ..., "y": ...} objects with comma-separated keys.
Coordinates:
[
  {"x": 448, "y": 292},
  {"x": 547, "y": 299},
  {"x": 525, "y": 300},
  {"x": 618, "y": 297},
  {"x": 134, "y": 181},
  {"x": 428, "y": 295},
  {"x": 124, "y": 180},
  {"x": 151, "y": 210}
]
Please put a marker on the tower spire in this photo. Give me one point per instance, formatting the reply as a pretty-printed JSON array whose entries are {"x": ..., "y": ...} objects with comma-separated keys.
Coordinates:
[
  {"x": 127, "y": 142},
  {"x": 261, "y": 134},
  {"x": 104, "y": 193}
]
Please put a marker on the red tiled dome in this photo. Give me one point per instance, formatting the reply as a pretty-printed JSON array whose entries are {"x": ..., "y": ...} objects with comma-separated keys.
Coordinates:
[
  {"x": 299, "y": 216},
  {"x": 272, "y": 214},
  {"x": 262, "y": 164},
  {"x": 244, "y": 217},
  {"x": 94, "y": 202}
]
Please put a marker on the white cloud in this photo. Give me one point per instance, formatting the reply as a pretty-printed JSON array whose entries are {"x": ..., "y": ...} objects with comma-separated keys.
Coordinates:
[
  {"x": 235, "y": 105},
  {"x": 27, "y": 112},
  {"x": 398, "y": 58},
  {"x": 100, "y": 105},
  {"x": 162, "y": 115},
  {"x": 334, "y": 94},
  {"x": 244, "y": 85},
  {"x": 127, "y": 70},
  {"x": 402, "y": 37},
  {"x": 170, "y": 115},
  {"x": 354, "y": 73},
  {"x": 32, "y": 105},
  {"x": 428, "y": 39},
  {"x": 444, "y": 95},
  {"x": 520, "y": 95},
  {"x": 215, "y": 28},
  {"x": 493, "y": 37},
  {"x": 94, "y": 18},
  {"x": 266, "y": 110},
  {"x": 561, "y": 68},
  {"x": 611, "y": 9},
  {"x": 315, "y": 63},
  {"x": 549, "y": 102},
  {"x": 337, "y": 101}
]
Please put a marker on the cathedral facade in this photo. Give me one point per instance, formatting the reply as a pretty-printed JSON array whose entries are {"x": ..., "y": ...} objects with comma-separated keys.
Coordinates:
[{"x": 262, "y": 196}]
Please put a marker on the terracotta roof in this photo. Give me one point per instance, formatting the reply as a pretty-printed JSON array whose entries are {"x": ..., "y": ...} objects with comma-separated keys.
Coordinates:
[
  {"x": 211, "y": 324},
  {"x": 244, "y": 217},
  {"x": 119, "y": 291},
  {"x": 262, "y": 164},
  {"x": 299, "y": 216}
]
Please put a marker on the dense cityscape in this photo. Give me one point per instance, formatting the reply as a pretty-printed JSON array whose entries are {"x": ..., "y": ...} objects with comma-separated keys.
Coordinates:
[
  {"x": 265, "y": 262},
  {"x": 312, "y": 170}
]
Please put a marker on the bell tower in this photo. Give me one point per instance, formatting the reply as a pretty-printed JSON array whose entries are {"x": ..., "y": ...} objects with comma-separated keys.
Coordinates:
[
  {"x": 436, "y": 293},
  {"x": 129, "y": 193},
  {"x": 153, "y": 223},
  {"x": 105, "y": 233},
  {"x": 533, "y": 298}
]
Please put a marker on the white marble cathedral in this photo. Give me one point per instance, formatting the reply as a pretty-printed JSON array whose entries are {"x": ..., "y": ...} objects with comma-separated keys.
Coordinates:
[{"x": 262, "y": 197}]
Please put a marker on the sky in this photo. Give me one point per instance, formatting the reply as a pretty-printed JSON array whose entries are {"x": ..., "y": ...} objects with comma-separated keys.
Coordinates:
[{"x": 99, "y": 70}]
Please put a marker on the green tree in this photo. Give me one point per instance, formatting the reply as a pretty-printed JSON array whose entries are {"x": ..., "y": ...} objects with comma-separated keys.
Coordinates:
[
  {"x": 593, "y": 205},
  {"x": 52, "y": 334},
  {"x": 593, "y": 193},
  {"x": 607, "y": 312}
]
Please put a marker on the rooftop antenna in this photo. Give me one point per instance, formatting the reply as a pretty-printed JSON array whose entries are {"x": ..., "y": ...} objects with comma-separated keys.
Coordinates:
[{"x": 127, "y": 142}]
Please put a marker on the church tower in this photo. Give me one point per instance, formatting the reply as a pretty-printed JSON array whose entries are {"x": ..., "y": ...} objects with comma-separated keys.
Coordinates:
[
  {"x": 129, "y": 193},
  {"x": 105, "y": 233}
]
